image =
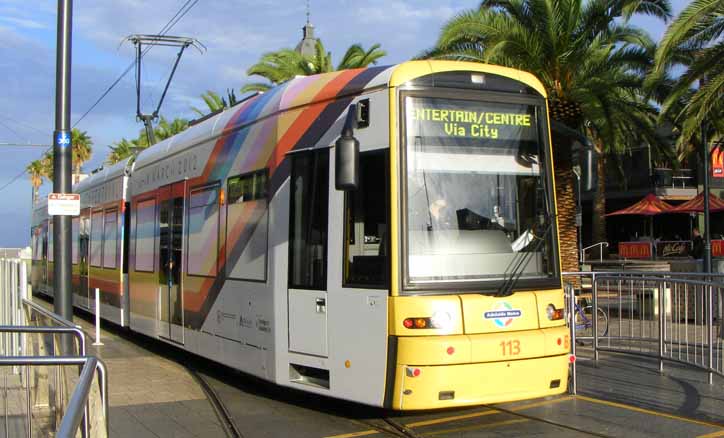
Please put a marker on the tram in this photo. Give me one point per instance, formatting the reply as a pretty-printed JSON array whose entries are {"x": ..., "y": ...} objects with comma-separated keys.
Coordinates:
[{"x": 383, "y": 235}]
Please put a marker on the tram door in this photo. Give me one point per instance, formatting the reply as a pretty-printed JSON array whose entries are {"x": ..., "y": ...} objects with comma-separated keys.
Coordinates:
[
  {"x": 170, "y": 296},
  {"x": 309, "y": 204}
]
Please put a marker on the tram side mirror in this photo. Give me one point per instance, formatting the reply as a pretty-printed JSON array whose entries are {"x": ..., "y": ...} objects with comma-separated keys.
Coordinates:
[
  {"x": 585, "y": 165},
  {"x": 346, "y": 155}
]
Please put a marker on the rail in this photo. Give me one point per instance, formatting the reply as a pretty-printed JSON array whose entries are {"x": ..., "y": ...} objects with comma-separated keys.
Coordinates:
[
  {"x": 43, "y": 394},
  {"x": 76, "y": 413},
  {"x": 599, "y": 244},
  {"x": 671, "y": 316}
]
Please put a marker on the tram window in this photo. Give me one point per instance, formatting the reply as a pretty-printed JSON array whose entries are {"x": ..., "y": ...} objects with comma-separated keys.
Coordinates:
[
  {"x": 365, "y": 252},
  {"x": 145, "y": 237},
  {"x": 203, "y": 234},
  {"x": 308, "y": 225},
  {"x": 50, "y": 241},
  {"x": 74, "y": 242},
  {"x": 110, "y": 239},
  {"x": 247, "y": 226},
  {"x": 96, "y": 238},
  {"x": 84, "y": 242}
]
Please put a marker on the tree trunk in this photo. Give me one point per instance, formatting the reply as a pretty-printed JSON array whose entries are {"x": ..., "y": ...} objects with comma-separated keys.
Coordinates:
[
  {"x": 566, "y": 205},
  {"x": 599, "y": 209}
]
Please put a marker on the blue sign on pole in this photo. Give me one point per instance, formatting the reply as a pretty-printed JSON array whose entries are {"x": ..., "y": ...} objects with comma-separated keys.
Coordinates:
[{"x": 62, "y": 138}]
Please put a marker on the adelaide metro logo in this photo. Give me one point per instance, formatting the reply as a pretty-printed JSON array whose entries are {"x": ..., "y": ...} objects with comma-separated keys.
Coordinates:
[{"x": 503, "y": 314}]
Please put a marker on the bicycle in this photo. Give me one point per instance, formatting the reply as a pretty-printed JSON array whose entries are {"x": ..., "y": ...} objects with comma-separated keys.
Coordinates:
[{"x": 584, "y": 320}]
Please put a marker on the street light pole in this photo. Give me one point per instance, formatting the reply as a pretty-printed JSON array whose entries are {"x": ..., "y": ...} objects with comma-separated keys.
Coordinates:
[{"x": 62, "y": 161}]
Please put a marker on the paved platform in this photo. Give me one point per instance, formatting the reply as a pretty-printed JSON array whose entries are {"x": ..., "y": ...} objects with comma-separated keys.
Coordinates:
[{"x": 152, "y": 395}]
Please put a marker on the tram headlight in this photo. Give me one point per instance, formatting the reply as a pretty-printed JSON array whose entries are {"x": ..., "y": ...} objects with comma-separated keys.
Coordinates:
[
  {"x": 554, "y": 314},
  {"x": 441, "y": 320}
]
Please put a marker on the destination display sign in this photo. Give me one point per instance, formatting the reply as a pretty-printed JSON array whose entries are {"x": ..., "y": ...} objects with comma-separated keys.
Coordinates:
[
  {"x": 63, "y": 204},
  {"x": 438, "y": 117}
]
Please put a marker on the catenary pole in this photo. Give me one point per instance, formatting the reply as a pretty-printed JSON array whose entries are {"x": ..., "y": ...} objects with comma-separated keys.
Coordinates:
[{"x": 62, "y": 150}]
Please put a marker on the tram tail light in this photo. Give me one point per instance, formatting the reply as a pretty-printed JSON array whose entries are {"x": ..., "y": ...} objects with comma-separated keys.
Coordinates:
[
  {"x": 553, "y": 313},
  {"x": 437, "y": 321}
]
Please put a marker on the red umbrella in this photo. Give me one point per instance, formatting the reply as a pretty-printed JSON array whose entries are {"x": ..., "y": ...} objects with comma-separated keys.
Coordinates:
[
  {"x": 651, "y": 205},
  {"x": 696, "y": 205}
]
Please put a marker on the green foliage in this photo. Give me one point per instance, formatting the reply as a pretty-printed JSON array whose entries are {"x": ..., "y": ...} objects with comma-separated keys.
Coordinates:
[
  {"x": 693, "y": 41},
  {"x": 125, "y": 148},
  {"x": 590, "y": 60},
  {"x": 282, "y": 65}
]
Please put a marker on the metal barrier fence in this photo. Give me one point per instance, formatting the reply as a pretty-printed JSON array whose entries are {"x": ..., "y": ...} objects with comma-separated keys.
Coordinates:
[
  {"x": 672, "y": 316},
  {"x": 50, "y": 387}
]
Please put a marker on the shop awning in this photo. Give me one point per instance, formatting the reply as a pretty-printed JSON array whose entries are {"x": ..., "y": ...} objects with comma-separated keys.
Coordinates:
[
  {"x": 650, "y": 205},
  {"x": 696, "y": 205}
]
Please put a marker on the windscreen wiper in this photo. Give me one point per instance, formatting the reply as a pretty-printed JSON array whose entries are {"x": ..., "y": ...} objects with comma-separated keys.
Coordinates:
[{"x": 520, "y": 261}]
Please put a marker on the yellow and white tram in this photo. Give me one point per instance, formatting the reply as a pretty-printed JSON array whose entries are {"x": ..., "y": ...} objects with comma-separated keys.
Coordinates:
[{"x": 429, "y": 279}]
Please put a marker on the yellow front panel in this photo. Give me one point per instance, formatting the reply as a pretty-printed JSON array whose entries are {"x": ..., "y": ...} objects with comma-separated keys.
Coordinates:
[
  {"x": 489, "y": 314},
  {"x": 495, "y": 347},
  {"x": 433, "y": 350},
  {"x": 479, "y": 383}
]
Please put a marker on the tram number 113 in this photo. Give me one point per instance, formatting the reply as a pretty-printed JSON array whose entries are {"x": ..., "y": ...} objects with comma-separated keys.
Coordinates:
[{"x": 510, "y": 348}]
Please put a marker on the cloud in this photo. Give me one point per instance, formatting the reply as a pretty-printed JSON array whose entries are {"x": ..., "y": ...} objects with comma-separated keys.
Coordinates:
[{"x": 22, "y": 22}]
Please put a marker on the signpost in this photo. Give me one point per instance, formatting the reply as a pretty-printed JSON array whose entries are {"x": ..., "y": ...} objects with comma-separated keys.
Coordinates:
[
  {"x": 63, "y": 204},
  {"x": 62, "y": 145}
]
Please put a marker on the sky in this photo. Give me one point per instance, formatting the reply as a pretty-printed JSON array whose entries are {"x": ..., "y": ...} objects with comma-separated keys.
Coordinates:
[{"x": 235, "y": 32}]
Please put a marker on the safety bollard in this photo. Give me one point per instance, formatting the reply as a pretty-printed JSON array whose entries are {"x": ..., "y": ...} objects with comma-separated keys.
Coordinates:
[{"x": 98, "y": 319}]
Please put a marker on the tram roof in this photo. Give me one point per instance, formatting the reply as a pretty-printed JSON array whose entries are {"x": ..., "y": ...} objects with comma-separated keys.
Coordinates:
[
  {"x": 304, "y": 90},
  {"x": 101, "y": 176}
]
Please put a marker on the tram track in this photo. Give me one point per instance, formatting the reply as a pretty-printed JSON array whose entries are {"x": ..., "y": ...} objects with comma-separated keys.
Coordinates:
[{"x": 226, "y": 420}]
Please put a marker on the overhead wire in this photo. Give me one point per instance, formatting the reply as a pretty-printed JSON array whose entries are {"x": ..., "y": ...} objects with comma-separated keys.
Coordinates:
[
  {"x": 167, "y": 27},
  {"x": 180, "y": 13}
]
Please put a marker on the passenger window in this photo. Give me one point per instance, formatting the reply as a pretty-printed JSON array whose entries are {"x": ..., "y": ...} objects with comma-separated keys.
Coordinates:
[
  {"x": 246, "y": 226},
  {"x": 308, "y": 226},
  {"x": 50, "y": 240},
  {"x": 110, "y": 239},
  {"x": 75, "y": 229},
  {"x": 203, "y": 243},
  {"x": 145, "y": 238},
  {"x": 96, "y": 238},
  {"x": 366, "y": 231}
]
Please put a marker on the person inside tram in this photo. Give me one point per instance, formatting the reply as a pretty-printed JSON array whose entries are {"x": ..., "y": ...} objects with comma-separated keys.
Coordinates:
[{"x": 441, "y": 216}]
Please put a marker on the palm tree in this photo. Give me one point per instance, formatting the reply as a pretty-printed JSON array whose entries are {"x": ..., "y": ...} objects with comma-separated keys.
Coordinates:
[
  {"x": 693, "y": 40},
  {"x": 121, "y": 150},
  {"x": 36, "y": 171},
  {"x": 283, "y": 65},
  {"x": 81, "y": 148},
  {"x": 125, "y": 148},
  {"x": 214, "y": 102},
  {"x": 581, "y": 51},
  {"x": 164, "y": 129}
]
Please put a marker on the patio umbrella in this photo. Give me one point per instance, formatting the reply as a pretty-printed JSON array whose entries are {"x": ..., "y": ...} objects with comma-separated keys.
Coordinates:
[
  {"x": 696, "y": 205},
  {"x": 650, "y": 206}
]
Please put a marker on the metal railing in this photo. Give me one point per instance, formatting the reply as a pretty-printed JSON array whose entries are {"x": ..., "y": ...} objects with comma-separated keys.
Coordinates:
[
  {"x": 671, "y": 316},
  {"x": 599, "y": 244},
  {"x": 51, "y": 376}
]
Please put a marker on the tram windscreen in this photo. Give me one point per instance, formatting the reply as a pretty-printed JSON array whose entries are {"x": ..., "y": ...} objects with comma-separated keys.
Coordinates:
[{"x": 476, "y": 195}]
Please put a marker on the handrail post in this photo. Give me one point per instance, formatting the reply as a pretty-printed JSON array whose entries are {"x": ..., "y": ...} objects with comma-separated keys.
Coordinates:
[
  {"x": 572, "y": 322},
  {"x": 662, "y": 321},
  {"x": 710, "y": 330},
  {"x": 594, "y": 315}
]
